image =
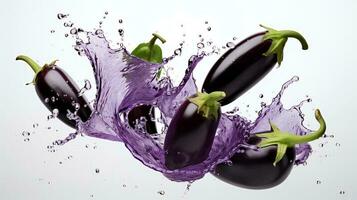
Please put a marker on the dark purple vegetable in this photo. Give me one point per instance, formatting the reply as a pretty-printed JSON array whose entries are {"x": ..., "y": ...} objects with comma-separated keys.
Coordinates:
[
  {"x": 149, "y": 52},
  {"x": 146, "y": 112},
  {"x": 191, "y": 132},
  {"x": 58, "y": 92},
  {"x": 243, "y": 66},
  {"x": 271, "y": 163}
]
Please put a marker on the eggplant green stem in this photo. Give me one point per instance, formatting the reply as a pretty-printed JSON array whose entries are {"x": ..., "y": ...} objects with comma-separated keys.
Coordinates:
[
  {"x": 279, "y": 39},
  {"x": 35, "y": 67},
  {"x": 208, "y": 105},
  {"x": 285, "y": 139},
  {"x": 153, "y": 39}
]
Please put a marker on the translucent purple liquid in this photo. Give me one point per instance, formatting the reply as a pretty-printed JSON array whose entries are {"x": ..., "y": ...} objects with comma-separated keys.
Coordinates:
[{"x": 124, "y": 81}]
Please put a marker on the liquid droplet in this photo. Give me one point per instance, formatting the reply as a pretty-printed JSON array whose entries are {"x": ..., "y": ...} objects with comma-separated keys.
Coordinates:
[
  {"x": 52, "y": 31},
  {"x": 178, "y": 52},
  {"x": 200, "y": 45},
  {"x": 318, "y": 182},
  {"x": 121, "y": 32},
  {"x": 230, "y": 44},
  {"x": 342, "y": 192},
  {"x": 161, "y": 192},
  {"x": 120, "y": 21},
  {"x": 61, "y": 16},
  {"x": 97, "y": 170},
  {"x": 261, "y": 95},
  {"x": 73, "y": 31},
  {"x": 209, "y": 28}
]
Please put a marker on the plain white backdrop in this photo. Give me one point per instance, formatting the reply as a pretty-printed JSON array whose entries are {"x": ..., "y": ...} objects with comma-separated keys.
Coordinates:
[{"x": 327, "y": 75}]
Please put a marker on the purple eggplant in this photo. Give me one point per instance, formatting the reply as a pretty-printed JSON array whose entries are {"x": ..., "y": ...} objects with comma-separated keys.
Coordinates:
[
  {"x": 271, "y": 163},
  {"x": 58, "y": 92},
  {"x": 249, "y": 61},
  {"x": 191, "y": 131}
]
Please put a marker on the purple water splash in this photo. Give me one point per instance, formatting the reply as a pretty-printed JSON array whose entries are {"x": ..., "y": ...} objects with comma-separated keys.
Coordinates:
[{"x": 124, "y": 81}]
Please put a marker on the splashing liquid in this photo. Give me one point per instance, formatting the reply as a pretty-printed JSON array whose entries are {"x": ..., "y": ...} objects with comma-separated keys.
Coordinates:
[{"x": 124, "y": 81}]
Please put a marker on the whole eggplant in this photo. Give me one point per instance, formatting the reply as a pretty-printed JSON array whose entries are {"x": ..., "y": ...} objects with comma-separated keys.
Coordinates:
[
  {"x": 271, "y": 163},
  {"x": 191, "y": 131},
  {"x": 241, "y": 67},
  {"x": 59, "y": 92}
]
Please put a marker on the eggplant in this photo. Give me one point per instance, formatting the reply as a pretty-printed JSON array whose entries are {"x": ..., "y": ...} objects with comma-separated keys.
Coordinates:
[
  {"x": 192, "y": 130},
  {"x": 59, "y": 92},
  {"x": 149, "y": 52},
  {"x": 271, "y": 163},
  {"x": 241, "y": 67},
  {"x": 253, "y": 169}
]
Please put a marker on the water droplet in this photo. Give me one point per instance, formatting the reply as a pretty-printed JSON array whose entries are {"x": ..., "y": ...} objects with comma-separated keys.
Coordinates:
[
  {"x": 53, "y": 99},
  {"x": 97, "y": 170},
  {"x": 25, "y": 133},
  {"x": 99, "y": 33},
  {"x": 309, "y": 100},
  {"x": 66, "y": 35},
  {"x": 73, "y": 31},
  {"x": 35, "y": 125},
  {"x": 234, "y": 38},
  {"x": 77, "y": 106},
  {"x": 229, "y": 162},
  {"x": 106, "y": 13},
  {"x": 342, "y": 192},
  {"x": 318, "y": 182},
  {"x": 27, "y": 139},
  {"x": 61, "y": 16},
  {"x": 338, "y": 144},
  {"x": 230, "y": 44},
  {"x": 209, "y": 28},
  {"x": 161, "y": 192},
  {"x": 321, "y": 145},
  {"x": 121, "y": 32},
  {"x": 60, "y": 162},
  {"x": 124, "y": 185},
  {"x": 55, "y": 112},
  {"x": 120, "y": 21},
  {"x": 52, "y": 31},
  {"x": 178, "y": 52},
  {"x": 261, "y": 95},
  {"x": 200, "y": 45},
  {"x": 91, "y": 195},
  {"x": 46, "y": 100},
  {"x": 68, "y": 24}
]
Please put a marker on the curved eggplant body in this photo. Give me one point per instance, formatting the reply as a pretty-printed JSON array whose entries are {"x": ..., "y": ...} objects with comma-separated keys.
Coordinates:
[
  {"x": 57, "y": 90},
  {"x": 254, "y": 169},
  {"x": 240, "y": 68},
  {"x": 189, "y": 137}
]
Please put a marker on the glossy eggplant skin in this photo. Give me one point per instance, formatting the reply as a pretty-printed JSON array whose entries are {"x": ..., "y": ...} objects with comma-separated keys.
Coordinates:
[
  {"x": 189, "y": 137},
  {"x": 146, "y": 111},
  {"x": 57, "y": 90},
  {"x": 254, "y": 169},
  {"x": 240, "y": 68}
]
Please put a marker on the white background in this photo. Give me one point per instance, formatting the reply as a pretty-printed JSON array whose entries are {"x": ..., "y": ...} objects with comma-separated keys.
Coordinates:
[{"x": 327, "y": 74}]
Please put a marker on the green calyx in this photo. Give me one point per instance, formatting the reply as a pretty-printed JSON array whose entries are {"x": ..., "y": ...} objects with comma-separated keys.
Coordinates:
[
  {"x": 283, "y": 140},
  {"x": 150, "y": 51},
  {"x": 279, "y": 39},
  {"x": 208, "y": 105},
  {"x": 35, "y": 67}
]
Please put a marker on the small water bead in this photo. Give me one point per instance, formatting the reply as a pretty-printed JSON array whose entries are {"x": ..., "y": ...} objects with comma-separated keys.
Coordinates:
[
  {"x": 230, "y": 45},
  {"x": 25, "y": 133},
  {"x": 318, "y": 182},
  {"x": 161, "y": 192},
  {"x": 52, "y": 31},
  {"x": 121, "y": 32},
  {"x": 309, "y": 100},
  {"x": 178, "y": 52},
  {"x": 120, "y": 21},
  {"x": 99, "y": 33},
  {"x": 342, "y": 192},
  {"x": 234, "y": 38},
  {"x": 35, "y": 125},
  {"x": 27, "y": 139},
  {"x": 106, "y": 13},
  {"x": 97, "y": 171},
  {"x": 209, "y": 28},
  {"x": 66, "y": 35},
  {"x": 206, "y": 22},
  {"x": 61, "y": 16},
  {"x": 261, "y": 95},
  {"x": 53, "y": 99},
  {"x": 73, "y": 31},
  {"x": 124, "y": 185},
  {"x": 338, "y": 144},
  {"x": 200, "y": 45}
]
